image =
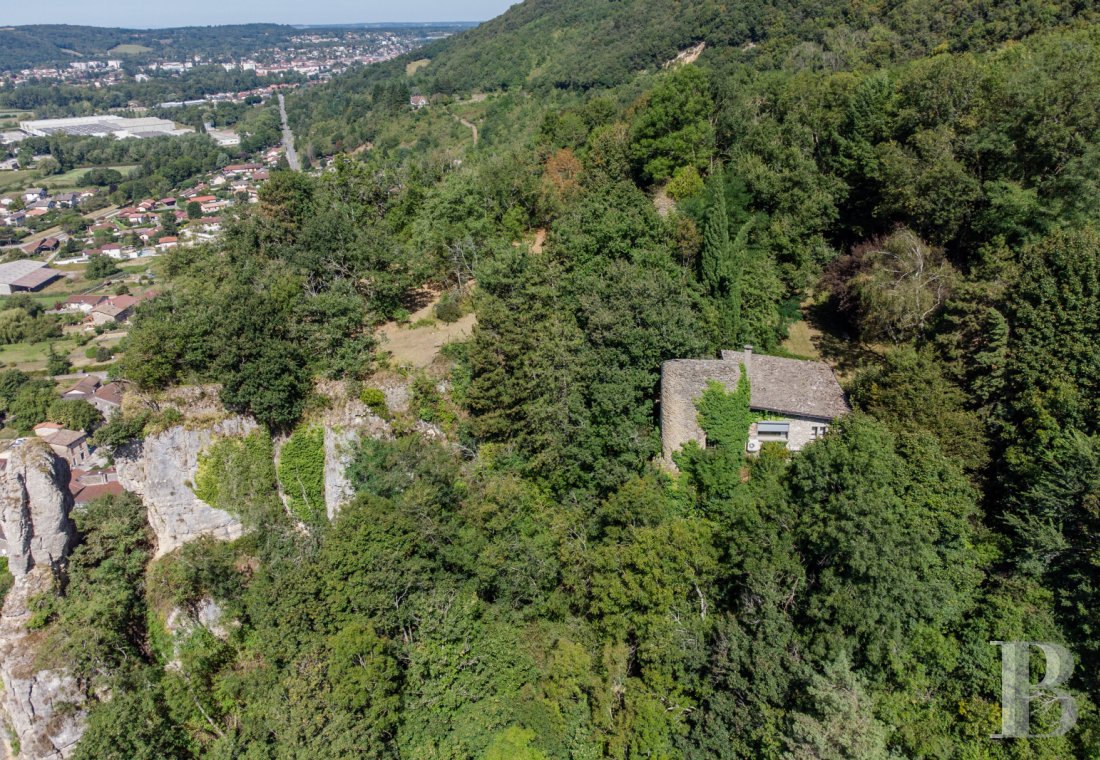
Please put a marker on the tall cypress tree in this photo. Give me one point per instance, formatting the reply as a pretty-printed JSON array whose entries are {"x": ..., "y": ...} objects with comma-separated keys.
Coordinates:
[
  {"x": 722, "y": 260},
  {"x": 716, "y": 235}
]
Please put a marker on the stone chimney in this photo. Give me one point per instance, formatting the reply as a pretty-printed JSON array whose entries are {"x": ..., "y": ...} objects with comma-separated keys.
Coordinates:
[{"x": 747, "y": 361}]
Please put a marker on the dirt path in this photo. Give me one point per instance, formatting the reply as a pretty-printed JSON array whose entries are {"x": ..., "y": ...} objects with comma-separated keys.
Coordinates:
[
  {"x": 469, "y": 125},
  {"x": 540, "y": 240},
  {"x": 418, "y": 347}
]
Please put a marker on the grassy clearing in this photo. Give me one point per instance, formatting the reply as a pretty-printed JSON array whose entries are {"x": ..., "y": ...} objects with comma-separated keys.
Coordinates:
[
  {"x": 129, "y": 50},
  {"x": 800, "y": 340},
  {"x": 16, "y": 180},
  {"x": 415, "y": 66},
  {"x": 70, "y": 180},
  {"x": 31, "y": 357},
  {"x": 73, "y": 178}
]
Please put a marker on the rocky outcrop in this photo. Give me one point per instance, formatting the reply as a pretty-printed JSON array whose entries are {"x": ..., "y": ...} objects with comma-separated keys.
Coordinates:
[
  {"x": 339, "y": 450},
  {"x": 41, "y": 708},
  {"x": 161, "y": 469},
  {"x": 34, "y": 508},
  {"x": 346, "y": 421}
]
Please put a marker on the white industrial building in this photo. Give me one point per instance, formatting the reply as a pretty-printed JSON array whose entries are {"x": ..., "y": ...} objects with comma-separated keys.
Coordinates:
[{"x": 105, "y": 126}]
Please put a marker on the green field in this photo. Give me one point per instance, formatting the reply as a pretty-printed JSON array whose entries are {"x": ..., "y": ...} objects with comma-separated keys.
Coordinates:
[
  {"x": 130, "y": 50},
  {"x": 32, "y": 356},
  {"x": 70, "y": 180},
  {"x": 11, "y": 119},
  {"x": 15, "y": 180}
]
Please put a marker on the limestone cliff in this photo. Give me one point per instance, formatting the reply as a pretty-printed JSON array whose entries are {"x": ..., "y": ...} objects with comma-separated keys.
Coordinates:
[
  {"x": 37, "y": 705},
  {"x": 161, "y": 470},
  {"x": 34, "y": 508}
]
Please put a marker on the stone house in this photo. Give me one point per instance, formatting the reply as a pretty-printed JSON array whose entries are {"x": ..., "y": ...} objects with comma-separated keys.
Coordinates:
[
  {"x": 797, "y": 400},
  {"x": 107, "y": 399},
  {"x": 70, "y": 445},
  {"x": 83, "y": 390}
]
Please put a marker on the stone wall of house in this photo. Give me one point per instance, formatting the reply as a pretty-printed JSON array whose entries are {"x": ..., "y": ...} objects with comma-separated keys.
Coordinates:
[
  {"x": 801, "y": 431},
  {"x": 683, "y": 381}
]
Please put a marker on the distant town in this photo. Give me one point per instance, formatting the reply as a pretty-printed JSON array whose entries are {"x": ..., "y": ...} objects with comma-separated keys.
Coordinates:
[{"x": 314, "y": 54}]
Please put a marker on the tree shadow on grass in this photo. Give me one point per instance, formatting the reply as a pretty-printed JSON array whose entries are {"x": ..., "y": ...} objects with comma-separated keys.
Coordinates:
[{"x": 837, "y": 343}]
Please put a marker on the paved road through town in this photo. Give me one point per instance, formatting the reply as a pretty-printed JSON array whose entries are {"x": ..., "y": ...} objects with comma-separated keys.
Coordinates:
[{"x": 288, "y": 137}]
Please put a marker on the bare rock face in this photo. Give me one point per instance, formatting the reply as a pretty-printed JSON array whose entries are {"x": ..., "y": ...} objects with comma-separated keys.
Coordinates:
[
  {"x": 161, "y": 469},
  {"x": 41, "y": 708},
  {"x": 339, "y": 449},
  {"x": 346, "y": 422},
  {"x": 34, "y": 508}
]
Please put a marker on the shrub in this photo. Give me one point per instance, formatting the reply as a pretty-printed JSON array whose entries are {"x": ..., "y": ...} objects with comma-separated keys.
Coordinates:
[
  {"x": 375, "y": 400},
  {"x": 237, "y": 475},
  {"x": 302, "y": 474},
  {"x": 448, "y": 309},
  {"x": 685, "y": 183}
]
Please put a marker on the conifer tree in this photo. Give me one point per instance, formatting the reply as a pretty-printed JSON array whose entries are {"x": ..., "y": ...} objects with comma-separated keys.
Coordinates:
[
  {"x": 716, "y": 235},
  {"x": 722, "y": 259}
]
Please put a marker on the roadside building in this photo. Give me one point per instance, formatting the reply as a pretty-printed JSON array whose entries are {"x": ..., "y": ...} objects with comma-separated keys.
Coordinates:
[{"x": 24, "y": 275}]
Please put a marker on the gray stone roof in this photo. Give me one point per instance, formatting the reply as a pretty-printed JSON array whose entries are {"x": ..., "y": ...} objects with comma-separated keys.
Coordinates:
[{"x": 795, "y": 386}]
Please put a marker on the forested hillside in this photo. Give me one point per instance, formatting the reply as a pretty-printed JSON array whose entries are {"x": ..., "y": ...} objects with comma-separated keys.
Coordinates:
[
  {"x": 58, "y": 44},
  {"x": 515, "y": 577}
]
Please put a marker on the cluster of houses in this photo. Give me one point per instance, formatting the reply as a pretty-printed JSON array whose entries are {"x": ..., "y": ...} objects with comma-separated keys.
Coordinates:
[
  {"x": 90, "y": 478},
  {"x": 38, "y": 202},
  {"x": 103, "y": 310}
]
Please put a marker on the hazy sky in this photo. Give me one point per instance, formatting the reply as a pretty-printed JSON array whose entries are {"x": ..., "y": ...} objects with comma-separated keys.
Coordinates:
[{"x": 143, "y": 13}]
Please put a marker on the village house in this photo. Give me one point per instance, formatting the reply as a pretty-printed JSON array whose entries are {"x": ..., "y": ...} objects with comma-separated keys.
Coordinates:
[
  {"x": 242, "y": 169},
  {"x": 108, "y": 399},
  {"x": 796, "y": 400},
  {"x": 70, "y": 445},
  {"x": 418, "y": 101},
  {"x": 49, "y": 245},
  {"x": 82, "y": 303},
  {"x": 83, "y": 390},
  {"x": 35, "y": 194},
  {"x": 88, "y": 485},
  {"x": 167, "y": 242},
  {"x": 213, "y": 206},
  {"x": 115, "y": 309}
]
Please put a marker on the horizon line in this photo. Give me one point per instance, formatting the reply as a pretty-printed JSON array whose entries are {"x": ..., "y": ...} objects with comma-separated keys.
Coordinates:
[{"x": 329, "y": 25}]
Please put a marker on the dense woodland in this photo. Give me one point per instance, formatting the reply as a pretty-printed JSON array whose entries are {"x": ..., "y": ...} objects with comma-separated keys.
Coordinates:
[
  {"x": 533, "y": 587},
  {"x": 56, "y": 44},
  {"x": 52, "y": 100}
]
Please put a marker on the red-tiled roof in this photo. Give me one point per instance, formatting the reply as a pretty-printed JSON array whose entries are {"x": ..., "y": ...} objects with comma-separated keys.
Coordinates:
[
  {"x": 122, "y": 302},
  {"x": 86, "y": 386},
  {"x": 91, "y": 493}
]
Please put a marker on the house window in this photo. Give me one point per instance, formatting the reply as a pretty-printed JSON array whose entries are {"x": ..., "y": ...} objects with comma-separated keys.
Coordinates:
[
  {"x": 819, "y": 431},
  {"x": 773, "y": 431}
]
